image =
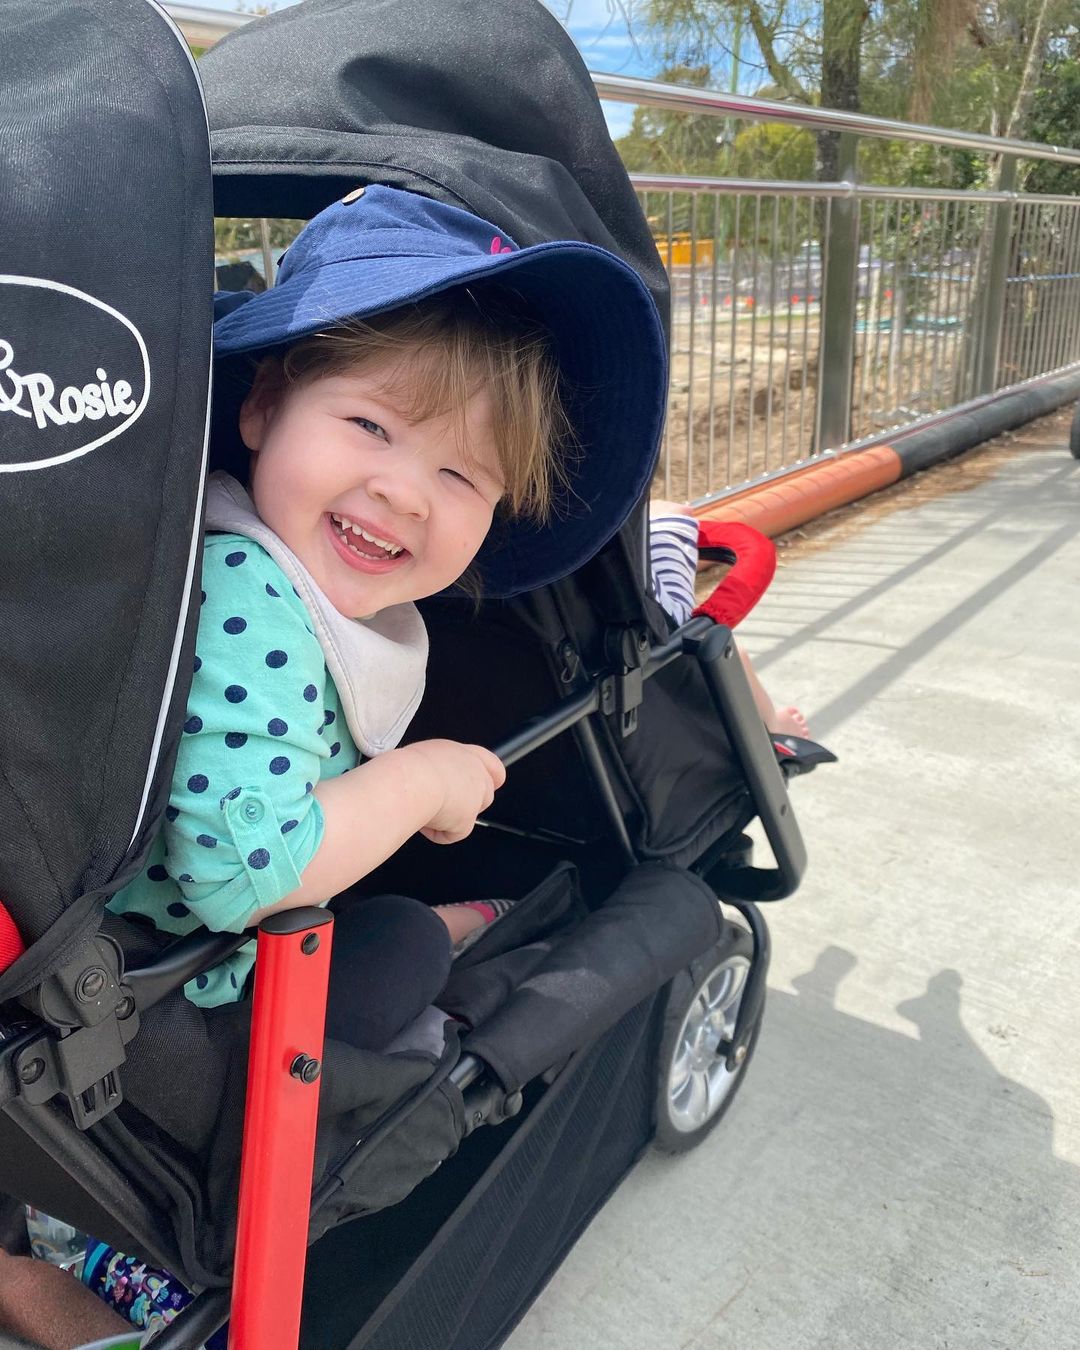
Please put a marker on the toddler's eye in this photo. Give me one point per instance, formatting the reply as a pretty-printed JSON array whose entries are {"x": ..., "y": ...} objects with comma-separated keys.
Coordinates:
[
  {"x": 454, "y": 473},
  {"x": 372, "y": 428}
]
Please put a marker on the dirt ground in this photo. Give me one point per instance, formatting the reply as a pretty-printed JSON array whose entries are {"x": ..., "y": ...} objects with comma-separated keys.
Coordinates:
[{"x": 962, "y": 474}]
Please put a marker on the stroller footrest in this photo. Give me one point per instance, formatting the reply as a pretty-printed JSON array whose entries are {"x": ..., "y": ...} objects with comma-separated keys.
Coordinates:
[{"x": 656, "y": 922}]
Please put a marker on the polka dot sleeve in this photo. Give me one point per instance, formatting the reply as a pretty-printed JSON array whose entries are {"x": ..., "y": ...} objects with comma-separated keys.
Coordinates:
[{"x": 242, "y": 822}]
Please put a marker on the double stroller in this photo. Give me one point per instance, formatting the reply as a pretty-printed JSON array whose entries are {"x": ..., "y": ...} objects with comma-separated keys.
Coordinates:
[{"x": 617, "y": 1003}]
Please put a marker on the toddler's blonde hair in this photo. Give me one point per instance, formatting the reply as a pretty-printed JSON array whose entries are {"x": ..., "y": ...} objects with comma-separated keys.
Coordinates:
[{"x": 451, "y": 346}]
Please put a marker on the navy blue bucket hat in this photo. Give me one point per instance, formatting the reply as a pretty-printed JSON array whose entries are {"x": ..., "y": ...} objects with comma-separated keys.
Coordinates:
[{"x": 381, "y": 248}]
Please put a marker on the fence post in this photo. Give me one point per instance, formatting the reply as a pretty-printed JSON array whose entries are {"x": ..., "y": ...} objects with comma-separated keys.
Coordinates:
[
  {"x": 836, "y": 353},
  {"x": 992, "y": 295}
]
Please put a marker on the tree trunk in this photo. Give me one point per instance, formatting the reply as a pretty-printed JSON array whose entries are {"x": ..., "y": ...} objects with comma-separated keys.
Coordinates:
[{"x": 842, "y": 27}]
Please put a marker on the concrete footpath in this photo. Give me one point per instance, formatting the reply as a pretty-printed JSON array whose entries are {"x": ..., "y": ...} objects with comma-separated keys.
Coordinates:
[{"x": 902, "y": 1167}]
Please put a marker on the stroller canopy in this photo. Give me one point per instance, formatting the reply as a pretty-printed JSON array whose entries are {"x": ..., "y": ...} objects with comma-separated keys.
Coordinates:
[
  {"x": 491, "y": 110},
  {"x": 487, "y": 108}
]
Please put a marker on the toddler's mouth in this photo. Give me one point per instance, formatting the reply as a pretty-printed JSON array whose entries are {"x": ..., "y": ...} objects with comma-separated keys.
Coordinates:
[{"x": 363, "y": 543}]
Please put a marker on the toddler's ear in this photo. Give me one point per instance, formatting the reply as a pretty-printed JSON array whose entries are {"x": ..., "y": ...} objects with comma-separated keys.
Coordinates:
[
  {"x": 257, "y": 408},
  {"x": 254, "y": 415}
]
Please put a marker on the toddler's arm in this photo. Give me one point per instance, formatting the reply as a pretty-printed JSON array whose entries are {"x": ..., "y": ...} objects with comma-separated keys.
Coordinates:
[{"x": 438, "y": 787}]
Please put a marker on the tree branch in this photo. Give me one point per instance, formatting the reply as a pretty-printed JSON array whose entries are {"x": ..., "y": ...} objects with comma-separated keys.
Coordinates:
[
  {"x": 1028, "y": 80},
  {"x": 781, "y": 75}
]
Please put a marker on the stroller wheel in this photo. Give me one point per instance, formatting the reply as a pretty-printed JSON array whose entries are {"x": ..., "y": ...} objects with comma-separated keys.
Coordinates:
[
  {"x": 694, "y": 1085},
  {"x": 1074, "y": 434}
]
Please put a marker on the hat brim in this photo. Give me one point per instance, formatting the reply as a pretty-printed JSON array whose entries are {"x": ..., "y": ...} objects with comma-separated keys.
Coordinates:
[{"x": 609, "y": 346}]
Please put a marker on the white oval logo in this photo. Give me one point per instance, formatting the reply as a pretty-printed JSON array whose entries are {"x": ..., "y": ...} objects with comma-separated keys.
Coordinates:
[{"x": 71, "y": 378}]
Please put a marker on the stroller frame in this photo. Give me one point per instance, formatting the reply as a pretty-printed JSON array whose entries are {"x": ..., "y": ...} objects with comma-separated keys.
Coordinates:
[{"x": 292, "y": 969}]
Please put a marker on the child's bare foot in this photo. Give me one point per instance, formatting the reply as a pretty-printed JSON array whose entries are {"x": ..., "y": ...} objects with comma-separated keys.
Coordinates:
[{"x": 789, "y": 722}]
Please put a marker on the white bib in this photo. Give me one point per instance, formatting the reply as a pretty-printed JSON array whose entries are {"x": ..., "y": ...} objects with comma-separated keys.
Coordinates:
[{"x": 377, "y": 664}]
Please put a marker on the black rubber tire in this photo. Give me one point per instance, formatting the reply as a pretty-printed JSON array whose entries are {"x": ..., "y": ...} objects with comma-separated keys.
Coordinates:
[
  {"x": 672, "y": 1135},
  {"x": 1074, "y": 434}
]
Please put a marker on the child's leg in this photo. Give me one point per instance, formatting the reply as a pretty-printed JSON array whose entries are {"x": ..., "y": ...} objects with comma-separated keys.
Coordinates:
[
  {"x": 461, "y": 920},
  {"x": 465, "y": 917},
  {"x": 391, "y": 960},
  {"x": 780, "y": 721},
  {"x": 49, "y": 1308}
]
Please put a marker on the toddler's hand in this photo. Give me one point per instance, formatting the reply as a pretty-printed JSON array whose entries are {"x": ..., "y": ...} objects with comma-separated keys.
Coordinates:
[{"x": 467, "y": 778}]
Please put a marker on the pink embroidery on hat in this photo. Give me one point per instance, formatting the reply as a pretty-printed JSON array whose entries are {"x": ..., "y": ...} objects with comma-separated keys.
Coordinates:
[{"x": 497, "y": 246}]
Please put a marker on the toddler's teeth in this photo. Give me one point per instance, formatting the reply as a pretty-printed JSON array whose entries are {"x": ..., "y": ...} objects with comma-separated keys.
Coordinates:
[{"x": 347, "y": 526}]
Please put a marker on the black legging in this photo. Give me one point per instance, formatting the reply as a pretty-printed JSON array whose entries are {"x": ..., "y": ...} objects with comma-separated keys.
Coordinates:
[{"x": 391, "y": 960}]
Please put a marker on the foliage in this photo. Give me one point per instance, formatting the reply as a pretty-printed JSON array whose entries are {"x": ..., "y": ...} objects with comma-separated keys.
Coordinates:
[
  {"x": 674, "y": 142},
  {"x": 1003, "y": 67},
  {"x": 1055, "y": 116},
  {"x": 774, "y": 150},
  {"x": 234, "y": 235}
]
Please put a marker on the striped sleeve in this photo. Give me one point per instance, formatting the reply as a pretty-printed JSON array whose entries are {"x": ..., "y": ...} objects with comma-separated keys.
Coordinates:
[{"x": 673, "y": 554}]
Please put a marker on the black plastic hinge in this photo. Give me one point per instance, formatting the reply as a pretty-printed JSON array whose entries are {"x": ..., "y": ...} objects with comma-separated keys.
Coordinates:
[
  {"x": 627, "y": 650},
  {"x": 90, "y": 1016}
]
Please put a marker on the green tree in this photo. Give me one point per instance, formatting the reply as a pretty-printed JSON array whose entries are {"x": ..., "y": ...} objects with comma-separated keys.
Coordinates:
[
  {"x": 972, "y": 64},
  {"x": 1054, "y": 117},
  {"x": 673, "y": 142}
]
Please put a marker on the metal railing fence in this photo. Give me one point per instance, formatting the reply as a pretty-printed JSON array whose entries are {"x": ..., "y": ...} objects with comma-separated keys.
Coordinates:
[
  {"x": 753, "y": 382},
  {"x": 808, "y": 316}
]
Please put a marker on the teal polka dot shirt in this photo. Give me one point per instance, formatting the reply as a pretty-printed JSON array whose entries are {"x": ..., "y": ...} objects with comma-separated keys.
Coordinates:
[{"x": 264, "y": 725}]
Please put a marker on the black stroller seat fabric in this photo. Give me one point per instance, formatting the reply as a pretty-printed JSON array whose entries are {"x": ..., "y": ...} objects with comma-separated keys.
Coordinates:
[
  {"x": 105, "y": 358},
  {"x": 607, "y": 835}
]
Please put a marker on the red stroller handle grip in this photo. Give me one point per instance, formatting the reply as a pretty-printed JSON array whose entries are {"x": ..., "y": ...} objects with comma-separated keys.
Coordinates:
[{"x": 753, "y": 565}]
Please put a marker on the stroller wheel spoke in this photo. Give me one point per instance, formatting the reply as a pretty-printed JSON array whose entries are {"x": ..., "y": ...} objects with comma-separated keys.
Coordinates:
[
  {"x": 699, "y": 1081},
  {"x": 697, "y": 1103},
  {"x": 681, "y": 1068}
]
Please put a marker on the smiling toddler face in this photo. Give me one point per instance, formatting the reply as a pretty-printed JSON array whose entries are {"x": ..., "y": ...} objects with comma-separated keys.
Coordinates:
[{"x": 379, "y": 506}]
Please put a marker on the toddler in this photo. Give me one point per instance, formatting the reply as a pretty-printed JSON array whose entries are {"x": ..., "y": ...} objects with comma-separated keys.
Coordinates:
[{"x": 424, "y": 406}]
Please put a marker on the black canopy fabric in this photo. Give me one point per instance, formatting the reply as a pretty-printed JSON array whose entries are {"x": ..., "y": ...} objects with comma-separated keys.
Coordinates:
[
  {"x": 105, "y": 325},
  {"x": 488, "y": 107}
]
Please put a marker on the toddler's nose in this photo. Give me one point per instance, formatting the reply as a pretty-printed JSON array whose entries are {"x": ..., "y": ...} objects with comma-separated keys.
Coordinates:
[{"x": 401, "y": 492}]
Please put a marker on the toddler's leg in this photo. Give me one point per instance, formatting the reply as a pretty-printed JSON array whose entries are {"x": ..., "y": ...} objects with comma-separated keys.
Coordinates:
[
  {"x": 391, "y": 960},
  {"x": 780, "y": 721},
  {"x": 466, "y": 919}
]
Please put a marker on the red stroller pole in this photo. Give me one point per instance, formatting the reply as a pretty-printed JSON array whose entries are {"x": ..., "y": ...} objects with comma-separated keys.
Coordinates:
[{"x": 292, "y": 969}]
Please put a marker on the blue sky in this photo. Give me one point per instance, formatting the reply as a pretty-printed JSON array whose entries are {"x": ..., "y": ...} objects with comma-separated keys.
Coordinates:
[{"x": 600, "y": 29}]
